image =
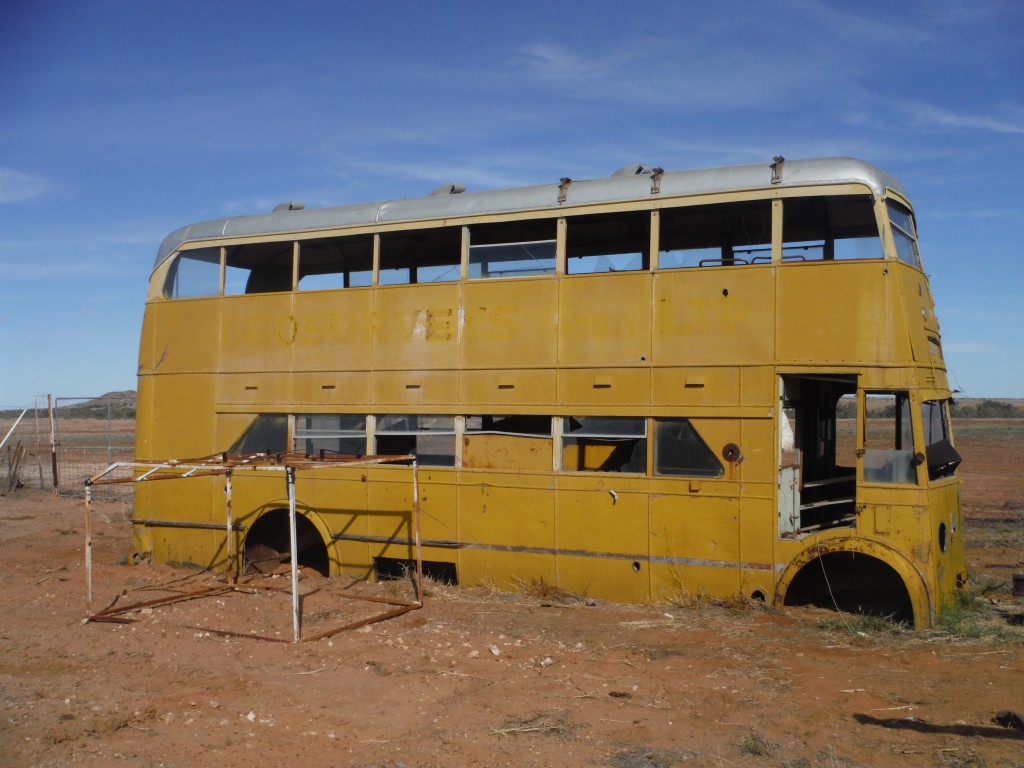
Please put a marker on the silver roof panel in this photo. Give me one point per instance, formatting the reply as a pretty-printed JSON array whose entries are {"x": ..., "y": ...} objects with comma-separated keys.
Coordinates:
[{"x": 833, "y": 170}]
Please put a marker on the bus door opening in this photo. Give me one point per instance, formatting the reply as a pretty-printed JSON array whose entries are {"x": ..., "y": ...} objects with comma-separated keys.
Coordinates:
[{"x": 817, "y": 460}]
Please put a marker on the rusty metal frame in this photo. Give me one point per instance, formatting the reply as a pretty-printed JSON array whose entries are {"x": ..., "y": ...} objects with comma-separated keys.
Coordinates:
[{"x": 227, "y": 467}]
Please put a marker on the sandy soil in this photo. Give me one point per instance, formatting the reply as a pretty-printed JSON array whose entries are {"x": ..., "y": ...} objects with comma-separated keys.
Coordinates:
[{"x": 480, "y": 679}]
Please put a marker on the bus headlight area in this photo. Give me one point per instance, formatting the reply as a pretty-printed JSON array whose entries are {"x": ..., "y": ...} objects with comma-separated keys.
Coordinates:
[{"x": 725, "y": 382}]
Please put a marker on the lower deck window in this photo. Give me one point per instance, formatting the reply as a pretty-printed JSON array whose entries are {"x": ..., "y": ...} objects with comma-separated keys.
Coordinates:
[
  {"x": 268, "y": 433},
  {"x": 889, "y": 440},
  {"x": 507, "y": 442},
  {"x": 330, "y": 433},
  {"x": 604, "y": 444},
  {"x": 431, "y": 439},
  {"x": 679, "y": 450},
  {"x": 943, "y": 458}
]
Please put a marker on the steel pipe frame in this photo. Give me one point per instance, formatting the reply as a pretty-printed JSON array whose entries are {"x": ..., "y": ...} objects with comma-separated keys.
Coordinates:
[{"x": 219, "y": 464}]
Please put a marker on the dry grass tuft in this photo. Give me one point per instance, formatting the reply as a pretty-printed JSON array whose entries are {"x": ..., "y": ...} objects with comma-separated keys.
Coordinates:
[
  {"x": 650, "y": 757},
  {"x": 539, "y": 590},
  {"x": 555, "y": 723},
  {"x": 755, "y": 744}
]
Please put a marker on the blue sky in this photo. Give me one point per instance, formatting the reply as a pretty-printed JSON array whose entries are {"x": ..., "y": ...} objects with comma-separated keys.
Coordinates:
[{"x": 121, "y": 120}]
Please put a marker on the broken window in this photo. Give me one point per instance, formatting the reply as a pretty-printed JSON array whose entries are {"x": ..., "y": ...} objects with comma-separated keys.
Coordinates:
[
  {"x": 330, "y": 433},
  {"x": 431, "y": 439},
  {"x": 604, "y": 444},
  {"x": 679, "y": 450},
  {"x": 903, "y": 233},
  {"x": 193, "y": 274},
  {"x": 716, "y": 235},
  {"x": 268, "y": 433},
  {"x": 943, "y": 458},
  {"x": 507, "y": 442},
  {"x": 336, "y": 262},
  {"x": 258, "y": 268},
  {"x": 512, "y": 249},
  {"x": 608, "y": 243},
  {"x": 817, "y": 455},
  {"x": 830, "y": 228},
  {"x": 421, "y": 256},
  {"x": 889, "y": 439}
]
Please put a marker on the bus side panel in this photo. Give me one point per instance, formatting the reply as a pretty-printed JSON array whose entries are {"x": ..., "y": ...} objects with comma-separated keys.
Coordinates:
[
  {"x": 602, "y": 536},
  {"x": 257, "y": 333},
  {"x": 439, "y": 503},
  {"x": 842, "y": 311},
  {"x": 333, "y": 330},
  {"x": 506, "y": 523},
  {"x": 605, "y": 320},
  {"x": 389, "y": 519},
  {"x": 694, "y": 545},
  {"x": 186, "y": 336},
  {"x": 758, "y": 523},
  {"x": 181, "y": 424},
  {"x": 196, "y": 500},
  {"x": 500, "y": 315},
  {"x": 714, "y": 316},
  {"x": 417, "y": 328},
  {"x": 946, "y": 528},
  {"x": 340, "y": 500}
]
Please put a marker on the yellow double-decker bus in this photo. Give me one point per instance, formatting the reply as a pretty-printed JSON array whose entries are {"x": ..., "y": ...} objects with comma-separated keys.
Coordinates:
[{"x": 725, "y": 382}]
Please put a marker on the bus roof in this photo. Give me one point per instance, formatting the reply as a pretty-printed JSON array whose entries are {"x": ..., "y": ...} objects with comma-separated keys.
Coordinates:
[{"x": 630, "y": 183}]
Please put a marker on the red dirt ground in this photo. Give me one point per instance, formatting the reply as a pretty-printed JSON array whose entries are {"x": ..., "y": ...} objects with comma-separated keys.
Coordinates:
[{"x": 480, "y": 679}]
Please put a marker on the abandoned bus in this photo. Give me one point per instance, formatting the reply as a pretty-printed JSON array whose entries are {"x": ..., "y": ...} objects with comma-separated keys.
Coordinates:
[{"x": 724, "y": 382}]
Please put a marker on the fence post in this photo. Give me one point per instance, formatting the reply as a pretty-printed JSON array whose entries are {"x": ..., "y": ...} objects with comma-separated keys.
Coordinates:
[{"x": 53, "y": 444}]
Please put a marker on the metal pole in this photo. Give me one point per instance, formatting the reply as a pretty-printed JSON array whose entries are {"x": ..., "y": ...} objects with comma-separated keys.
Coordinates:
[
  {"x": 232, "y": 565},
  {"x": 14, "y": 427},
  {"x": 290, "y": 478},
  {"x": 110, "y": 434},
  {"x": 88, "y": 548},
  {"x": 53, "y": 443},
  {"x": 416, "y": 531}
]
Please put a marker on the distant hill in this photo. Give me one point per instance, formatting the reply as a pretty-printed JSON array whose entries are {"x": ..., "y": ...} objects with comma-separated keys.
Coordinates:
[
  {"x": 118, "y": 405},
  {"x": 121, "y": 406}
]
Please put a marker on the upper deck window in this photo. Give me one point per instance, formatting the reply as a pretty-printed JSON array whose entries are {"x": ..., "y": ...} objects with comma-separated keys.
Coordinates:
[
  {"x": 258, "y": 268},
  {"x": 336, "y": 262},
  {"x": 421, "y": 256},
  {"x": 903, "y": 233},
  {"x": 716, "y": 235},
  {"x": 513, "y": 249},
  {"x": 830, "y": 228},
  {"x": 193, "y": 274},
  {"x": 615, "y": 243}
]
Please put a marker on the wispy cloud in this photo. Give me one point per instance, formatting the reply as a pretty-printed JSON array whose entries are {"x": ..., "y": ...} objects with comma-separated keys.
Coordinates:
[
  {"x": 17, "y": 186},
  {"x": 931, "y": 115},
  {"x": 548, "y": 61}
]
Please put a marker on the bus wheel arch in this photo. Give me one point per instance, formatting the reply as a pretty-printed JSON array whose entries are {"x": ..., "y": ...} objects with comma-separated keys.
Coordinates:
[
  {"x": 886, "y": 582},
  {"x": 267, "y": 541}
]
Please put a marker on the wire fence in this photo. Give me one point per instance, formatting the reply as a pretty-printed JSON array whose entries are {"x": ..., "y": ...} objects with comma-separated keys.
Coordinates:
[
  {"x": 91, "y": 433},
  {"x": 58, "y": 443},
  {"x": 24, "y": 448}
]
